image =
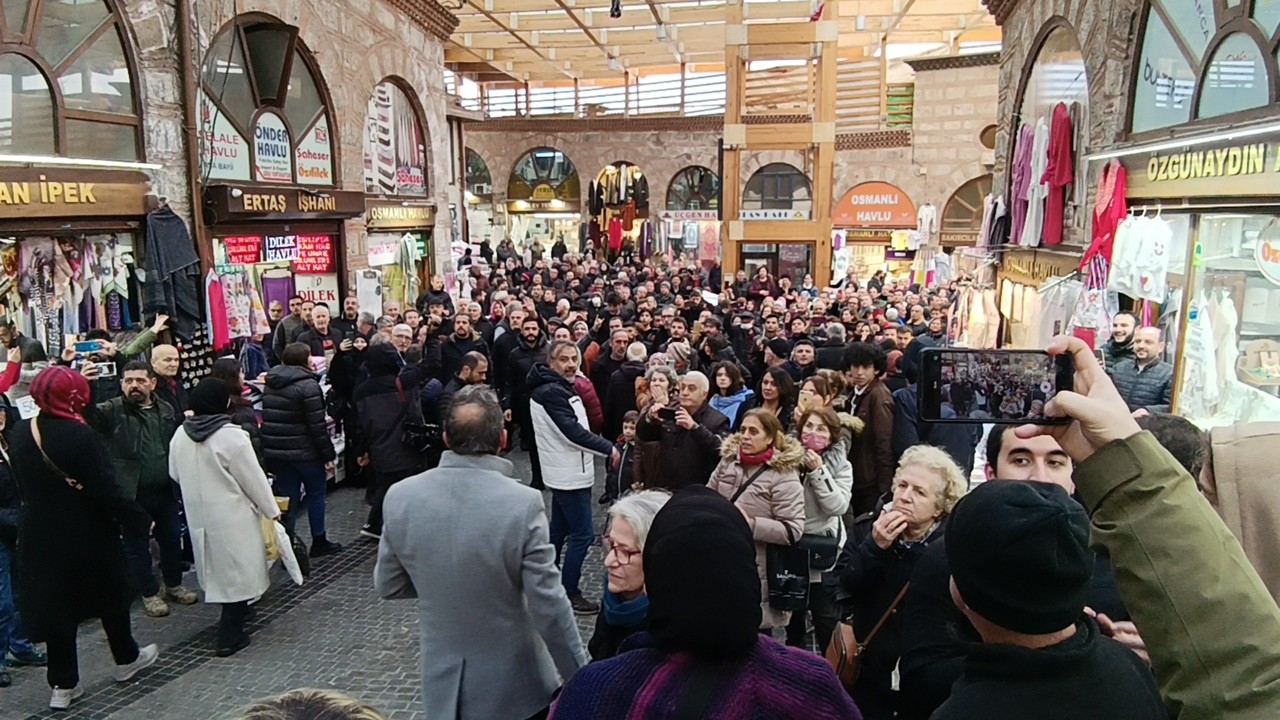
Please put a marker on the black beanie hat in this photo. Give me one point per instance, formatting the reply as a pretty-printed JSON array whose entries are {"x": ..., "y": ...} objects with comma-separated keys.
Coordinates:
[
  {"x": 700, "y": 576},
  {"x": 210, "y": 397},
  {"x": 1019, "y": 555},
  {"x": 781, "y": 348}
]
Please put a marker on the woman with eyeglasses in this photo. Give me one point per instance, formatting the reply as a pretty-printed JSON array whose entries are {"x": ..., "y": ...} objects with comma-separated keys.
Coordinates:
[{"x": 625, "y": 610}]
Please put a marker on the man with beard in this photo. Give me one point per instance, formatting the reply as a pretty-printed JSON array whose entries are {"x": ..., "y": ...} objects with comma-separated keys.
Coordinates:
[
  {"x": 603, "y": 368},
  {"x": 136, "y": 428},
  {"x": 463, "y": 340},
  {"x": 350, "y": 320},
  {"x": 531, "y": 348},
  {"x": 506, "y": 337},
  {"x": 1120, "y": 346}
]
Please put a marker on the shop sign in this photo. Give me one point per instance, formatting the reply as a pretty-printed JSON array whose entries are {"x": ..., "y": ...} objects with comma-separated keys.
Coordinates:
[
  {"x": 388, "y": 216},
  {"x": 1267, "y": 253},
  {"x": 966, "y": 237},
  {"x": 315, "y": 255},
  {"x": 774, "y": 215},
  {"x": 875, "y": 205},
  {"x": 33, "y": 193},
  {"x": 691, "y": 215},
  {"x": 863, "y": 235},
  {"x": 318, "y": 288},
  {"x": 243, "y": 250},
  {"x": 315, "y": 155},
  {"x": 383, "y": 248},
  {"x": 224, "y": 151},
  {"x": 793, "y": 253},
  {"x": 281, "y": 248},
  {"x": 543, "y": 193},
  {"x": 240, "y": 202},
  {"x": 1221, "y": 170},
  {"x": 272, "y": 149},
  {"x": 899, "y": 255}
]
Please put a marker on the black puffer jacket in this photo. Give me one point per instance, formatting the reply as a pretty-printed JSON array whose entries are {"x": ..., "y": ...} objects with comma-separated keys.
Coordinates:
[
  {"x": 382, "y": 409},
  {"x": 293, "y": 422}
]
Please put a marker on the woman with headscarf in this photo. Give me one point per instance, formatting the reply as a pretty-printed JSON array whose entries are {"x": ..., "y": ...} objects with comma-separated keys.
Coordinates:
[
  {"x": 225, "y": 494},
  {"x": 702, "y": 655},
  {"x": 759, "y": 473},
  {"x": 625, "y": 607},
  {"x": 69, "y": 549}
]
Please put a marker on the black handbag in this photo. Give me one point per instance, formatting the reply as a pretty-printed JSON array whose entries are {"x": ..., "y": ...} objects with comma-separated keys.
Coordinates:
[
  {"x": 823, "y": 550},
  {"x": 786, "y": 567},
  {"x": 419, "y": 435}
]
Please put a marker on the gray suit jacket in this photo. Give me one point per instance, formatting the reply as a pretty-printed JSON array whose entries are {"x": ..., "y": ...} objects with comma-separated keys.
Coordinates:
[{"x": 496, "y": 627}]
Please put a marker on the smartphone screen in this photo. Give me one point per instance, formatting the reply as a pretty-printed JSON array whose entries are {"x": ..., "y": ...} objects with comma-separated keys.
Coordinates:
[{"x": 990, "y": 386}]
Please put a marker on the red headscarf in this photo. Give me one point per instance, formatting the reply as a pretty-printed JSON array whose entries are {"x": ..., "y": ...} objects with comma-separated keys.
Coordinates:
[{"x": 61, "y": 392}]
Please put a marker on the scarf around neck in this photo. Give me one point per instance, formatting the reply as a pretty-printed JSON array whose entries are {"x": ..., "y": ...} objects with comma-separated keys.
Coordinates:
[
  {"x": 625, "y": 613},
  {"x": 755, "y": 460}
]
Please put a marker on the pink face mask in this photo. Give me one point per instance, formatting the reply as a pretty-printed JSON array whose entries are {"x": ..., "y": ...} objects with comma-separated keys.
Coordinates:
[{"x": 814, "y": 442}]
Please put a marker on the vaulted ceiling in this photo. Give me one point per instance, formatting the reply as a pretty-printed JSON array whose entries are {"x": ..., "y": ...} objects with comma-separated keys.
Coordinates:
[{"x": 548, "y": 41}]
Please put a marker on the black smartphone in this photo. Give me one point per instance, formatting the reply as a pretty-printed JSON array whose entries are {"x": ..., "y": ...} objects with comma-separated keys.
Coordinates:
[
  {"x": 991, "y": 386},
  {"x": 667, "y": 413},
  {"x": 349, "y": 337}
]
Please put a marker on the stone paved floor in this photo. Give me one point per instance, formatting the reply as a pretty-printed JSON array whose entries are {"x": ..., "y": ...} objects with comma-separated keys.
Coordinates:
[{"x": 332, "y": 632}]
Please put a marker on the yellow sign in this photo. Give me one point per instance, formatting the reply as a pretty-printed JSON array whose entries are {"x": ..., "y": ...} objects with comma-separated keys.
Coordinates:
[
  {"x": 1248, "y": 169},
  {"x": 544, "y": 192},
  {"x": 33, "y": 193}
]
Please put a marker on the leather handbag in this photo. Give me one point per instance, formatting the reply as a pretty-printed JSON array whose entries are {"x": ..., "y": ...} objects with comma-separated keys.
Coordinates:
[
  {"x": 845, "y": 653},
  {"x": 786, "y": 566},
  {"x": 823, "y": 550}
]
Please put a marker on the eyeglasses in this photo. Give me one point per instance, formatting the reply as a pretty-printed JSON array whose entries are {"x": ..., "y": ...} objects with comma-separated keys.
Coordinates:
[{"x": 624, "y": 555}]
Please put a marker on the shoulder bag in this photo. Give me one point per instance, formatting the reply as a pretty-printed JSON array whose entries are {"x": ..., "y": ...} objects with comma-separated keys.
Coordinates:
[
  {"x": 419, "y": 435},
  {"x": 786, "y": 567},
  {"x": 57, "y": 472},
  {"x": 845, "y": 653}
]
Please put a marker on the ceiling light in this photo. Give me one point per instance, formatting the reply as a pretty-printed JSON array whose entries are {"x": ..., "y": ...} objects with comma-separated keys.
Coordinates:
[
  {"x": 613, "y": 64},
  {"x": 662, "y": 32}
]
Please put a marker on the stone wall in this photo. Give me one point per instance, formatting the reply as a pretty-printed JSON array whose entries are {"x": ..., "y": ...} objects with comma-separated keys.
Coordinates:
[
  {"x": 152, "y": 30},
  {"x": 356, "y": 46}
]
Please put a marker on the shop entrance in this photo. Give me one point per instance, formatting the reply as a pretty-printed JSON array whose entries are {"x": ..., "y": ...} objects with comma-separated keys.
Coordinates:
[{"x": 794, "y": 260}]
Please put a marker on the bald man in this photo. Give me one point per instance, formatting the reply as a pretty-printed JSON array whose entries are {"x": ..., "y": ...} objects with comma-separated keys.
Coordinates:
[
  {"x": 165, "y": 362},
  {"x": 1145, "y": 381}
]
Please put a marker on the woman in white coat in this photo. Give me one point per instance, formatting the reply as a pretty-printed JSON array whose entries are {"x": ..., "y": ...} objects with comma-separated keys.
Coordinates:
[{"x": 225, "y": 493}]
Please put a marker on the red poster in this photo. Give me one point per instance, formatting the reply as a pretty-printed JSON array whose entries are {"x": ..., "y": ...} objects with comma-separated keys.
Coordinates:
[
  {"x": 315, "y": 255},
  {"x": 245, "y": 250}
]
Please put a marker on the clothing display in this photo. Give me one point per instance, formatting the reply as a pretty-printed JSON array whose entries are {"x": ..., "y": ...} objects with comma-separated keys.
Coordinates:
[
  {"x": 1109, "y": 210},
  {"x": 1140, "y": 258},
  {"x": 1021, "y": 175},
  {"x": 1037, "y": 190},
  {"x": 1059, "y": 174},
  {"x": 1091, "y": 321},
  {"x": 173, "y": 271}
]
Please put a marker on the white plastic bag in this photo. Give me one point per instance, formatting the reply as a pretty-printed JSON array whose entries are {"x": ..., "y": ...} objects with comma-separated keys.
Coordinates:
[{"x": 286, "y": 554}]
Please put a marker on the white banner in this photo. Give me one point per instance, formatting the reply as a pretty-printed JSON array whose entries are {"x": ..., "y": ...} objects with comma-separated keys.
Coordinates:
[
  {"x": 774, "y": 215},
  {"x": 319, "y": 289},
  {"x": 224, "y": 152},
  {"x": 383, "y": 248},
  {"x": 272, "y": 150}
]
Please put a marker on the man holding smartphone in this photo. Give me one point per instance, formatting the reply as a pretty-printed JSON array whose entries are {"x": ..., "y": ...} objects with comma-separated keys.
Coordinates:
[{"x": 689, "y": 433}]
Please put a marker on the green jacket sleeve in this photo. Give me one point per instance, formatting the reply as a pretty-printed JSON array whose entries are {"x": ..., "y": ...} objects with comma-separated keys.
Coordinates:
[
  {"x": 1211, "y": 627},
  {"x": 138, "y": 345}
]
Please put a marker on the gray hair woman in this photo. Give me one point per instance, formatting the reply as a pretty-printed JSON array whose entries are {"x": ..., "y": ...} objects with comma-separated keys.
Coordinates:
[
  {"x": 660, "y": 385},
  {"x": 625, "y": 610}
]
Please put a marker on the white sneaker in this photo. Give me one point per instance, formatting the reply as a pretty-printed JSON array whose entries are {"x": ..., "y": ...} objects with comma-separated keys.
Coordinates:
[
  {"x": 147, "y": 657},
  {"x": 62, "y": 698}
]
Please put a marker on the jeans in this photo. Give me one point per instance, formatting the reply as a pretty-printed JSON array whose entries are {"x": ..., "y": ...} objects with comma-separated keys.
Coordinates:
[
  {"x": 231, "y": 624},
  {"x": 291, "y": 479},
  {"x": 11, "y": 638},
  {"x": 825, "y": 615},
  {"x": 64, "y": 665},
  {"x": 571, "y": 518},
  {"x": 162, "y": 506}
]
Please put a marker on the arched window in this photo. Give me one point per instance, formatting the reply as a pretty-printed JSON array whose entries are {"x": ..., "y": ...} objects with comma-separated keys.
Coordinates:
[
  {"x": 80, "y": 46},
  {"x": 963, "y": 211},
  {"x": 395, "y": 145},
  {"x": 479, "y": 181},
  {"x": 544, "y": 174},
  {"x": 264, "y": 114},
  {"x": 1200, "y": 63},
  {"x": 777, "y": 186},
  {"x": 694, "y": 188}
]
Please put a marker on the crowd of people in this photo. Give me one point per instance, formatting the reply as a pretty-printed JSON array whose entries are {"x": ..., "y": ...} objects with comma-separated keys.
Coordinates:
[{"x": 769, "y": 488}]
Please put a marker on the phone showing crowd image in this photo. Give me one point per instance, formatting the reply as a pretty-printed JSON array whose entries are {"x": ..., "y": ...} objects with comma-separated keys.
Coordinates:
[{"x": 1008, "y": 387}]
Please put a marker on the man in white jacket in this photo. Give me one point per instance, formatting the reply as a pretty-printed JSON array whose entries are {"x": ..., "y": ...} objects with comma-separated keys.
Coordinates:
[{"x": 565, "y": 447}]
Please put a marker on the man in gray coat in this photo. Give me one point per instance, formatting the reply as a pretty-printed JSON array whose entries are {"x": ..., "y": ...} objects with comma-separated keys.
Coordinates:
[{"x": 497, "y": 632}]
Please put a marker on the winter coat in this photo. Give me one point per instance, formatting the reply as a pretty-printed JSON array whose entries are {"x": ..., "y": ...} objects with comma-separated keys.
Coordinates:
[
  {"x": 1238, "y": 482},
  {"x": 872, "y": 450},
  {"x": 564, "y": 440},
  {"x": 294, "y": 429},
  {"x": 225, "y": 493},
  {"x": 429, "y": 297},
  {"x": 958, "y": 439},
  {"x": 243, "y": 416},
  {"x": 69, "y": 549},
  {"x": 1113, "y": 353},
  {"x": 685, "y": 457},
  {"x": 595, "y": 412},
  {"x": 382, "y": 410},
  {"x": 519, "y": 361},
  {"x": 827, "y": 490},
  {"x": 10, "y": 505},
  {"x": 828, "y": 355},
  {"x": 1210, "y": 625},
  {"x": 121, "y": 424},
  {"x": 320, "y": 343},
  {"x": 618, "y": 480},
  {"x": 645, "y": 683},
  {"x": 621, "y": 397},
  {"x": 452, "y": 350},
  {"x": 730, "y": 406},
  {"x": 1149, "y": 388},
  {"x": 775, "y": 502},
  {"x": 786, "y": 413},
  {"x": 1085, "y": 676},
  {"x": 868, "y": 580}
]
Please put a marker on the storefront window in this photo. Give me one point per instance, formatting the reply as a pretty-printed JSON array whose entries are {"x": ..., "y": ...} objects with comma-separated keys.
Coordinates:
[
  {"x": 82, "y": 44},
  {"x": 542, "y": 175},
  {"x": 1179, "y": 50},
  {"x": 255, "y": 125},
  {"x": 792, "y": 260},
  {"x": 694, "y": 188},
  {"x": 395, "y": 153},
  {"x": 777, "y": 186},
  {"x": 1230, "y": 369},
  {"x": 479, "y": 181}
]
